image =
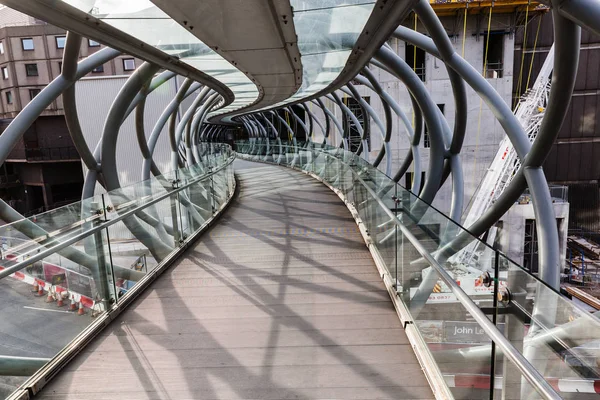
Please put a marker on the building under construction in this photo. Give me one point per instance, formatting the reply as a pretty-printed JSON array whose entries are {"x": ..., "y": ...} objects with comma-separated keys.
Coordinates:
[{"x": 310, "y": 199}]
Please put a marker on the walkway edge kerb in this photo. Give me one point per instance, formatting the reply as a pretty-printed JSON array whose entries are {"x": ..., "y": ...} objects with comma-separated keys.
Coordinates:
[
  {"x": 432, "y": 373},
  {"x": 430, "y": 369},
  {"x": 37, "y": 381}
]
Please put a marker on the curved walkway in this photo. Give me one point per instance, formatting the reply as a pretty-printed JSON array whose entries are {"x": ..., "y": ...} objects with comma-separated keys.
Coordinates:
[{"x": 280, "y": 300}]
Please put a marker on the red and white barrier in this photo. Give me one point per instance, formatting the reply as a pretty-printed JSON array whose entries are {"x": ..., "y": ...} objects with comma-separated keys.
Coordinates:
[
  {"x": 564, "y": 385},
  {"x": 48, "y": 287}
]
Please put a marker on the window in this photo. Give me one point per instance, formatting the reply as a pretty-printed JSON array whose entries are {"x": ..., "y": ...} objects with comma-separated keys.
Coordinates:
[
  {"x": 27, "y": 44},
  {"x": 128, "y": 64},
  {"x": 60, "y": 66},
  {"x": 1, "y": 47},
  {"x": 4, "y": 72},
  {"x": 426, "y": 137},
  {"x": 93, "y": 43},
  {"x": 350, "y": 129},
  {"x": 530, "y": 247},
  {"x": 31, "y": 69},
  {"x": 9, "y": 98},
  {"x": 33, "y": 93},
  {"x": 493, "y": 50},
  {"x": 99, "y": 68},
  {"x": 415, "y": 58},
  {"x": 60, "y": 41}
]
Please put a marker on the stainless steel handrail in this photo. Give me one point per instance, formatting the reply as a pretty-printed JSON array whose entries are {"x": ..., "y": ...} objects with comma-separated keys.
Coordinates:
[
  {"x": 51, "y": 250},
  {"x": 523, "y": 365}
]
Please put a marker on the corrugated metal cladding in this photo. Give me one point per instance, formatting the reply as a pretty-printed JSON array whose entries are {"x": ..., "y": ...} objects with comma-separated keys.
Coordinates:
[
  {"x": 573, "y": 160},
  {"x": 94, "y": 97}
]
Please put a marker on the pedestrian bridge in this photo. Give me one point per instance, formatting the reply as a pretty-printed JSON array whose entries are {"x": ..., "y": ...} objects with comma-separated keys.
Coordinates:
[
  {"x": 314, "y": 275},
  {"x": 280, "y": 299},
  {"x": 310, "y": 275}
]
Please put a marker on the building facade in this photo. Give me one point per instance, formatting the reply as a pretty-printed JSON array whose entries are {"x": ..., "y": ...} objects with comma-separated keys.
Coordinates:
[
  {"x": 573, "y": 161},
  {"x": 43, "y": 170},
  {"x": 488, "y": 43}
]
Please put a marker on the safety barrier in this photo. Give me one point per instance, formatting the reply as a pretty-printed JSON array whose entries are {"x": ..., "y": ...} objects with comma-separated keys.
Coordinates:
[
  {"x": 489, "y": 329},
  {"x": 65, "y": 257}
]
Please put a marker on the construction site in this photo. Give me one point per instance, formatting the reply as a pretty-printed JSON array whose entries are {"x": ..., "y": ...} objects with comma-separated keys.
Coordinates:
[{"x": 300, "y": 199}]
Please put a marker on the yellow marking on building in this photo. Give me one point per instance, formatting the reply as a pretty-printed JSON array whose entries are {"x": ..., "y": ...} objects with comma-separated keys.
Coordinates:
[{"x": 451, "y": 7}]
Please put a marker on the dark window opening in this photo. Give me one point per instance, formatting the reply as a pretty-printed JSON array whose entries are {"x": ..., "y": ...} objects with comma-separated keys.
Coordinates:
[
  {"x": 33, "y": 93},
  {"x": 31, "y": 69},
  {"x": 416, "y": 60},
  {"x": 426, "y": 137},
  {"x": 60, "y": 66},
  {"x": 530, "y": 245},
  {"x": 350, "y": 128},
  {"x": 494, "y": 62},
  {"x": 299, "y": 132},
  {"x": 9, "y": 98}
]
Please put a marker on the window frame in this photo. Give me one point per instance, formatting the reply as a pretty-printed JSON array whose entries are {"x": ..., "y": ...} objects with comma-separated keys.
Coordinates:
[
  {"x": 426, "y": 136},
  {"x": 37, "y": 91},
  {"x": 57, "y": 38},
  {"x": 93, "y": 43},
  {"x": 1, "y": 46},
  {"x": 23, "y": 44},
  {"x": 497, "y": 67},
  {"x": 99, "y": 69},
  {"x": 125, "y": 61},
  {"x": 5, "y": 73},
  {"x": 27, "y": 72},
  {"x": 9, "y": 97},
  {"x": 417, "y": 53}
]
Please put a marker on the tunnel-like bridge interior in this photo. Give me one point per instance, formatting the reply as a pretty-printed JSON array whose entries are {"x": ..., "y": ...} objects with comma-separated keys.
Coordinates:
[{"x": 267, "y": 251}]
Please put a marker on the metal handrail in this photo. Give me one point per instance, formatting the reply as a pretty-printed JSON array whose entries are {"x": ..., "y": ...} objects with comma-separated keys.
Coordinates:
[
  {"x": 523, "y": 365},
  {"x": 51, "y": 250}
]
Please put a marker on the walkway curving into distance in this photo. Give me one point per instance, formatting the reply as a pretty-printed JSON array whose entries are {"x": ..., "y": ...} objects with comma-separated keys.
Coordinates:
[{"x": 280, "y": 300}]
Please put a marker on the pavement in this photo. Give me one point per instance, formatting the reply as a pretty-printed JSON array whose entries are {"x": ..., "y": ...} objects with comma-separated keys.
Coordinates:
[{"x": 31, "y": 327}]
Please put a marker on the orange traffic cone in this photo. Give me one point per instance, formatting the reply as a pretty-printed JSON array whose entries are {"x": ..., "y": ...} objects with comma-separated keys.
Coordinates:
[
  {"x": 60, "y": 299},
  {"x": 36, "y": 287},
  {"x": 50, "y": 297},
  {"x": 73, "y": 305},
  {"x": 40, "y": 292},
  {"x": 81, "y": 310}
]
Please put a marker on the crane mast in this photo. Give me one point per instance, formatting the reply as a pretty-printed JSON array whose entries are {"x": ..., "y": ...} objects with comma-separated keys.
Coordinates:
[{"x": 530, "y": 113}]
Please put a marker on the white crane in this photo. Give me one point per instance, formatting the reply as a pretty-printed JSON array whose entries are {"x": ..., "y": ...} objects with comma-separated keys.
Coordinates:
[{"x": 529, "y": 112}]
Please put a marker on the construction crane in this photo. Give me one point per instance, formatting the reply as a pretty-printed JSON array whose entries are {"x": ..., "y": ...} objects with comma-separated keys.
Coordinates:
[{"x": 530, "y": 113}]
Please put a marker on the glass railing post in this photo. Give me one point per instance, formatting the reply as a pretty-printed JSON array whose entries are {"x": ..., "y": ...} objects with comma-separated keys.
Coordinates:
[
  {"x": 514, "y": 330},
  {"x": 110, "y": 255},
  {"x": 104, "y": 269},
  {"x": 174, "y": 200},
  {"x": 495, "y": 321},
  {"x": 184, "y": 224},
  {"x": 396, "y": 205},
  {"x": 212, "y": 193}
]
